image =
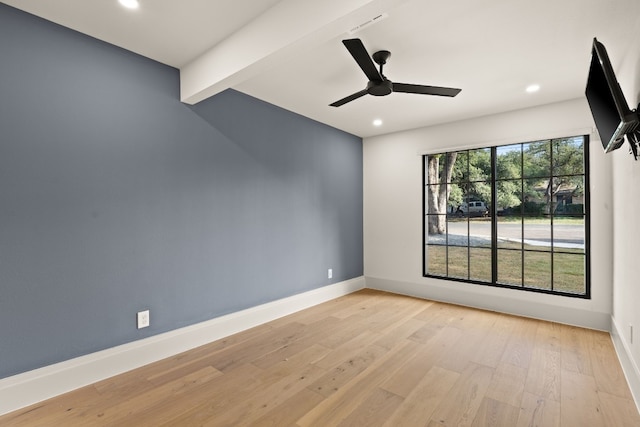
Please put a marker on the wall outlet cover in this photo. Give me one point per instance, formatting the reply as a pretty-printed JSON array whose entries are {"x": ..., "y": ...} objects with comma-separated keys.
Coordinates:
[{"x": 143, "y": 319}]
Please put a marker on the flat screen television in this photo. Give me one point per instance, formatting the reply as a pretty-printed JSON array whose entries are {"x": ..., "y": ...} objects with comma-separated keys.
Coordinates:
[{"x": 610, "y": 111}]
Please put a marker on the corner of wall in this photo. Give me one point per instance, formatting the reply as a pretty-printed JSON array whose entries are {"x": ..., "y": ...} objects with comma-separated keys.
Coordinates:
[{"x": 629, "y": 367}]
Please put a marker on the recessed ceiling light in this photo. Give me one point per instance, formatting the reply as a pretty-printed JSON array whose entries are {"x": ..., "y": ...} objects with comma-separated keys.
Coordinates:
[
  {"x": 533, "y": 88},
  {"x": 377, "y": 122},
  {"x": 130, "y": 4}
]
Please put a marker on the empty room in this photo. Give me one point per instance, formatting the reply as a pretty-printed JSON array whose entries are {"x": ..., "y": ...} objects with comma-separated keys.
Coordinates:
[{"x": 298, "y": 213}]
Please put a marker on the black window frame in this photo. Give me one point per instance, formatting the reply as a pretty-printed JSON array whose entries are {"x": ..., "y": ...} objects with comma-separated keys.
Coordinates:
[{"x": 494, "y": 226}]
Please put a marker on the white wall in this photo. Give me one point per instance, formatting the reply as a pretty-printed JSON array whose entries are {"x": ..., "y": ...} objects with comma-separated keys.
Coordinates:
[
  {"x": 393, "y": 212},
  {"x": 626, "y": 230}
]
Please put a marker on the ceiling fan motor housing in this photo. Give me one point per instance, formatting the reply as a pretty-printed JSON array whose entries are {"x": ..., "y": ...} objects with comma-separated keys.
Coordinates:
[{"x": 379, "y": 87}]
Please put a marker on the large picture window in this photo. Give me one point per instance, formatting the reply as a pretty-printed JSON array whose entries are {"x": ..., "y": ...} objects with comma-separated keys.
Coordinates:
[{"x": 513, "y": 215}]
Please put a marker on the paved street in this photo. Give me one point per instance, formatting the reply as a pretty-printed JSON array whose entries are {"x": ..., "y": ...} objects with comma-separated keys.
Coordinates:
[{"x": 566, "y": 235}]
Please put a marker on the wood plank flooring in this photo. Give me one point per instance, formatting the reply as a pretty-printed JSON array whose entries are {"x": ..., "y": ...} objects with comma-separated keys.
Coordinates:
[{"x": 367, "y": 359}]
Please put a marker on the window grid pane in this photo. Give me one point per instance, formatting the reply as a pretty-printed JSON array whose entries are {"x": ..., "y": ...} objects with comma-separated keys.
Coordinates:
[
  {"x": 536, "y": 238},
  {"x": 458, "y": 262},
  {"x": 437, "y": 260},
  {"x": 480, "y": 264},
  {"x": 510, "y": 267},
  {"x": 568, "y": 272}
]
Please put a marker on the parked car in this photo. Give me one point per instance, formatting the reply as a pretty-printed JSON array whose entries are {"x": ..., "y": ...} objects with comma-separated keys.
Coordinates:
[{"x": 473, "y": 208}]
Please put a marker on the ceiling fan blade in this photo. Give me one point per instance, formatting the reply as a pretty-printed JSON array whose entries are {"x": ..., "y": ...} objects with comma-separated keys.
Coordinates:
[
  {"x": 360, "y": 54},
  {"x": 425, "y": 90},
  {"x": 349, "y": 98}
]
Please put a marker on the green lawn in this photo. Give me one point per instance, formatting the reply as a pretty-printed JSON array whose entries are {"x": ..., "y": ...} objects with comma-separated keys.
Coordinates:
[{"x": 475, "y": 264}]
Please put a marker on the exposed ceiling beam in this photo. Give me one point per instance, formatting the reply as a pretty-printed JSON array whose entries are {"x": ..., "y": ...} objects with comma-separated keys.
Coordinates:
[{"x": 275, "y": 36}]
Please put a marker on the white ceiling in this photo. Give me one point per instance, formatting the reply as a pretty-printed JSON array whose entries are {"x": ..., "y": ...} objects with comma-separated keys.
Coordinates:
[{"x": 289, "y": 52}]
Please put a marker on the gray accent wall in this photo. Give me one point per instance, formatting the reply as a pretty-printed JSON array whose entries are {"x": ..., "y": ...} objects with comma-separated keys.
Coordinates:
[{"x": 115, "y": 197}]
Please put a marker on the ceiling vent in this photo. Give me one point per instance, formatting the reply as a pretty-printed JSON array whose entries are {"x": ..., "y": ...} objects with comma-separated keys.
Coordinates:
[{"x": 367, "y": 23}]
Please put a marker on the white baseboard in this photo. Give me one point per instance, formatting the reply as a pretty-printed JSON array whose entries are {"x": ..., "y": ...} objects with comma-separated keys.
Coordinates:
[
  {"x": 629, "y": 367},
  {"x": 498, "y": 303},
  {"x": 25, "y": 389}
]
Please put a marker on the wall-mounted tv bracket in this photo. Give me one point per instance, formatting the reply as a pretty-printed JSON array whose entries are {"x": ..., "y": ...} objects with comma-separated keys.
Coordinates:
[
  {"x": 634, "y": 143},
  {"x": 634, "y": 136}
]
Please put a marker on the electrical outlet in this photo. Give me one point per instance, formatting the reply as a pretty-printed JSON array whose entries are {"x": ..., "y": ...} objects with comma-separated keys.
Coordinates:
[
  {"x": 330, "y": 273},
  {"x": 143, "y": 319}
]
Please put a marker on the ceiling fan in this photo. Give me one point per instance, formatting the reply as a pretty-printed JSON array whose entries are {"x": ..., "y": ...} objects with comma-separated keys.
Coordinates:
[{"x": 378, "y": 84}]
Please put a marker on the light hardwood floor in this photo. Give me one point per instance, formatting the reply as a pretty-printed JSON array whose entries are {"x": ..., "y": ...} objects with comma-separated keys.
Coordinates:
[{"x": 368, "y": 359}]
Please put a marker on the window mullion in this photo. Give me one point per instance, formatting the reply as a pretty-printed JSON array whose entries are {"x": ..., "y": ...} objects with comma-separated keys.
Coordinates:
[
  {"x": 552, "y": 209},
  {"x": 494, "y": 218}
]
